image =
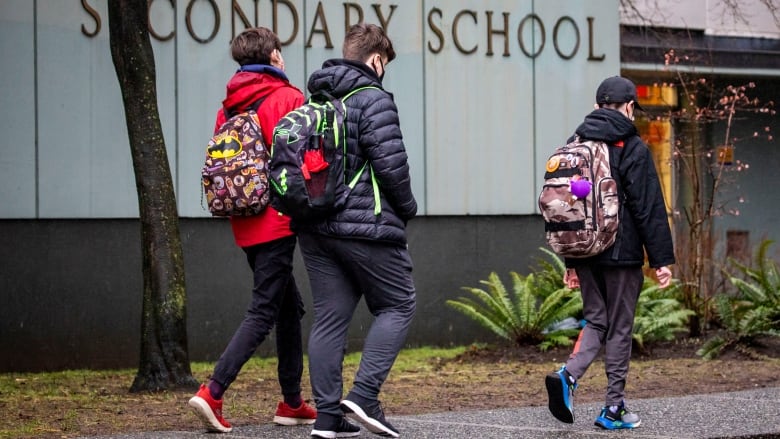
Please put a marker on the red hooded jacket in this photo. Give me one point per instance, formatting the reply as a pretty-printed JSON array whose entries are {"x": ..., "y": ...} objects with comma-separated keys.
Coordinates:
[{"x": 243, "y": 89}]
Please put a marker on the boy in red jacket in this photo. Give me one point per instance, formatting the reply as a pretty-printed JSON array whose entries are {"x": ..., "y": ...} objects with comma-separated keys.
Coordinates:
[{"x": 268, "y": 243}]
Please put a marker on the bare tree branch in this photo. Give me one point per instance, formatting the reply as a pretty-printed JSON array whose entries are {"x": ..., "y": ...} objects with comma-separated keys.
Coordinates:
[{"x": 773, "y": 6}]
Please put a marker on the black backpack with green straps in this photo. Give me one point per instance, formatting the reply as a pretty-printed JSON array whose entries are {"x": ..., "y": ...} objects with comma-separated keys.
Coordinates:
[{"x": 308, "y": 160}]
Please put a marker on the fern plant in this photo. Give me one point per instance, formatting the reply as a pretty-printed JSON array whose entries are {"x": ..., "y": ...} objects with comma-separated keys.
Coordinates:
[
  {"x": 659, "y": 314},
  {"x": 548, "y": 273},
  {"x": 536, "y": 303},
  {"x": 752, "y": 312}
]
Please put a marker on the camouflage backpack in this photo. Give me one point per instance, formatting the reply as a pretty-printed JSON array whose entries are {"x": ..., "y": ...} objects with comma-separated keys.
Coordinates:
[
  {"x": 235, "y": 173},
  {"x": 579, "y": 199}
]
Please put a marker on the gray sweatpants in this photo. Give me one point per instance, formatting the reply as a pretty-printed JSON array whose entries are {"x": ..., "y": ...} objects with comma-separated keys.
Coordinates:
[
  {"x": 609, "y": 298},
  {"x": 341, "y": 271}
]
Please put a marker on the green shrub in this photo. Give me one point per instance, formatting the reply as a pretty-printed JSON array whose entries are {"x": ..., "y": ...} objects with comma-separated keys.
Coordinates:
[
  {"x": 753, "y": 311},
  {"x": 659, "y": 313},
  {"x": 549, "y": 272},
  {"x": 538, "y": 301}
]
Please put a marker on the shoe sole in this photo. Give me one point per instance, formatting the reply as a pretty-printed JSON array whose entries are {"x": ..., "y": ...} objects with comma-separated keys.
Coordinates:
[
  {"x": 327, "y": 434},
  {"x": 353, "y": 411},
  {"x": 289, "y": 422},
  {"x": 204, "y": 412},
  {"x": 556, "y": 399}
]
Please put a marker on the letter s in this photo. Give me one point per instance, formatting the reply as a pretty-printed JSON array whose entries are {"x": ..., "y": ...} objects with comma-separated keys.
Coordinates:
[
  {"x": 436, "y": 30},
  {"x": 94, "y": 14}
]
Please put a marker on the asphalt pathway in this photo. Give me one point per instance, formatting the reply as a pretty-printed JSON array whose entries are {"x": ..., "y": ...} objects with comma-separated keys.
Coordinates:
[{"x": 745, "y": 414}]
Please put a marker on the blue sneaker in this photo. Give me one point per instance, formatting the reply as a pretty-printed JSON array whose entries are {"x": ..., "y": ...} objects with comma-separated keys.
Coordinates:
[
  {"x": 618, "y": 418},
  {"x": 560, "y": 388}
]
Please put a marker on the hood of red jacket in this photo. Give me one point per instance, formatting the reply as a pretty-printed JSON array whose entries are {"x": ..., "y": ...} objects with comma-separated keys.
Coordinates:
[{"x": 244, "y": 88}]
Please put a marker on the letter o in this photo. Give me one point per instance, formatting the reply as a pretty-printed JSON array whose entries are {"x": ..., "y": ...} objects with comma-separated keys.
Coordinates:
[
  {"x": 576, "y": 33},
  {"x": 152, "y": 31},
  {"x": 520, "y": 28},
  {"x": 188, "y": 20}
]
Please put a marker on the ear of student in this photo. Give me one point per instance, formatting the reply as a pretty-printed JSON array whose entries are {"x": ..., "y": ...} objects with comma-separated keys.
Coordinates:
[{"x": 276, "y": 59}]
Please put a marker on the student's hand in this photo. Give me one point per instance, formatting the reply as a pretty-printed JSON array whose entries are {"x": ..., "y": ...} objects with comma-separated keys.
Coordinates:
[
  {"x": 570, "y": 279},
  {"x": 664, "y": 275}
]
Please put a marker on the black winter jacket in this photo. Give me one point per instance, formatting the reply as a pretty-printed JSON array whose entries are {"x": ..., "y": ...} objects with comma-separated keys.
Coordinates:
[
  {"x": 643, "y": 220},
  {"x": 374, "y": 135}
]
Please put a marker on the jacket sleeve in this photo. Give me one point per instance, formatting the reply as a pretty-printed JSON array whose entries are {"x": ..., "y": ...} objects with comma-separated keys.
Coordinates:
[
  {"x": 220, "y": 119},
  {"x": 645, "y": 203},
  {"x": 383, "y": 142}
]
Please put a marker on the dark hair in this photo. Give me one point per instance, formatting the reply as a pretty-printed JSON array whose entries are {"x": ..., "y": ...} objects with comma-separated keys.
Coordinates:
[
  {"x": 364, "y": 39},
  {"x": 614, "y": 105},
  {"x": 254, "y": 46}
]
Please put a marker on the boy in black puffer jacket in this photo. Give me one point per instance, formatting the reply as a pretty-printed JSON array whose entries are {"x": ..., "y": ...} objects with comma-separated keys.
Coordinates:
[
  {"x": 361, "y": 250},
  {"x": 610, "y": 282}
]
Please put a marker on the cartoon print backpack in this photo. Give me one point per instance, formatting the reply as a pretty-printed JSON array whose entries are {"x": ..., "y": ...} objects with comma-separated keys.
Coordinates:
[
  {"x": 235, "y": 173},
  {"x": 579, "y": 199},
  {"x": 308, "y": 160}
]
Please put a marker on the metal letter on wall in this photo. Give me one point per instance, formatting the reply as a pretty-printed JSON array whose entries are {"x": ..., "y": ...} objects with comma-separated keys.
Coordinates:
[
  {"x": 152, "y": 31},
  {"x": 95, "y": 16},
  {"x": 319, "y": 16},
  {"x": 535, "y": 20},
  {"x": 576, "y": 35},
  {"x": 293, "y": 12},
  {"x": 491, "y": 32},
  {"x": 455, "y": 38},
  {"x": 215, "y": 29}
]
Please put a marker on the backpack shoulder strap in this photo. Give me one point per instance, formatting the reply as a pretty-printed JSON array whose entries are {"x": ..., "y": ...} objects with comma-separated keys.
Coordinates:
[
  {"x": 358, "y": 90},
  {"x": 254, "y": 106},
  {"x": 374, "y": 181},
  {"x": 321, "y": 96}
]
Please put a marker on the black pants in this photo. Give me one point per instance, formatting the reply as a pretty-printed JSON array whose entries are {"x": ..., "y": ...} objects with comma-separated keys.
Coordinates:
[
  {"x": 341, "y": 272},
  {"x": 275, "y": 300}
]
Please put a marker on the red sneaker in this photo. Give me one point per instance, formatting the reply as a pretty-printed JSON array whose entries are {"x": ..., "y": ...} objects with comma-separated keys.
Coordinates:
[
  {"x": 210, "y": 411},
  {"x": 286, "y": 415}
]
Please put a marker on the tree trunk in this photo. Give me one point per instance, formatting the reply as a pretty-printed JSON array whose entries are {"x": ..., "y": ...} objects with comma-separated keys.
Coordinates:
[{"x": 164, "y": 360}]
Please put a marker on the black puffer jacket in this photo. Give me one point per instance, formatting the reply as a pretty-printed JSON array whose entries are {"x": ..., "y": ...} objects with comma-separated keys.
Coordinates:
[
  {"x": 374, "y": 134},
  {"x": 643, "y": 220}
]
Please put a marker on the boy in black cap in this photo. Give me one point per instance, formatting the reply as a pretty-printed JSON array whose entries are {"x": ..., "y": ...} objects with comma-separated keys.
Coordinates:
[
  {"x": 610, "y": 282},
  {"x": 615, "y": 92}
]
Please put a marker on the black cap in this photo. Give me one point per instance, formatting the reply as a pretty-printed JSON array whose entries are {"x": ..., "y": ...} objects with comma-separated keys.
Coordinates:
[{"x": 617, "y": 90}]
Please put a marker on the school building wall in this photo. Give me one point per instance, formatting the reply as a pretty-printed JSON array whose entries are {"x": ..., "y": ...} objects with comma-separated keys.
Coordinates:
[{"x": 485, "y": 89}]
